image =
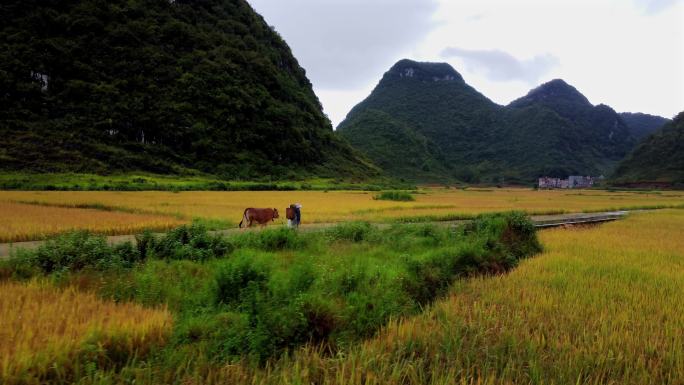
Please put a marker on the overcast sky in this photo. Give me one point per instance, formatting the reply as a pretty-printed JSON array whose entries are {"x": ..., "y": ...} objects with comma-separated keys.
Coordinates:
[{"x": 628, "y": 54}]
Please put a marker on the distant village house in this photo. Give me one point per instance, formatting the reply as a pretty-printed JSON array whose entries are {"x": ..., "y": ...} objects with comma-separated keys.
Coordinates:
[{"x": 573, "y": 181}]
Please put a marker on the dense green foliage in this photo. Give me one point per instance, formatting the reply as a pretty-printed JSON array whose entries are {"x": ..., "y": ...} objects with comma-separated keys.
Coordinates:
[
  {"x": 156, "y": 182},
  {"x": 160, "y": 86},
  {"x": 424, "y": 123},
  {"x": 394, "y": 146},
  {"x": 395, "y": 196},
  {"x": 642, "y": 125},
  {"x": 73, "y": 252},
  {"x": 597, "y": 132},
  {"x": 258, "y": 294},
  {"x": 81, "y": 250},
  {"x": 658, "y": 158}
]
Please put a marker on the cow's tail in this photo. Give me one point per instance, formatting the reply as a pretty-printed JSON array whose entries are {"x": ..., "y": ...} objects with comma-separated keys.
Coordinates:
[{"x": 244, "y": 219}]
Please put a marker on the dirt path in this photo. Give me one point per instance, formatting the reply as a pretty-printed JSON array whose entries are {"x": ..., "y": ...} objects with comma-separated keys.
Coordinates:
[{"x": 540, "y": 221}]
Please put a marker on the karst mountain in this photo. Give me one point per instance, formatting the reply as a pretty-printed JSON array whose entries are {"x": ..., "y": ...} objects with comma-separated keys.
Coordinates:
[{"x": 423, "y": 122}]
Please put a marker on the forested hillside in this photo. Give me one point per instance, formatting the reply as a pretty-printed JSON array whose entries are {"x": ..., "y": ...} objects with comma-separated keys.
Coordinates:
[
  {"x": 658, "y": 158},
  {"x": 596, "y": 131},
  {"x": 159, "y": 86},
  {"x": 462, "y": 135},
  {"x": 431, "y": 104},
  {"x": 641, "y": 125}
]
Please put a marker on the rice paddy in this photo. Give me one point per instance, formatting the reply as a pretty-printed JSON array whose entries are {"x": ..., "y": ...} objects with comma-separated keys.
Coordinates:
[
  {"x": 602, "y": 305},
  {"x": 24, "y": 222},
  {"x": 48, "y": 334},
  {"x": 226, "y": 208}
]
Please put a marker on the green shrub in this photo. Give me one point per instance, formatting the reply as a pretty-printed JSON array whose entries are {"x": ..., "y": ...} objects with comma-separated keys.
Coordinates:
[
  {"x": 145, "y": 242},
  {"x": 7, "y": 270},
  {"x": 369, "y": 309},
  {"x": 278, "y": 239},
  {"x": 22, "y": 265},
  {"x": 351, "y": 231},
  {"x": 276, "y": 314},
  {"x": 239, "y": 279},
  {"x": 274, "y": 239},
  {"x": 513, "y": 231},
  {"x": 322, "y": 318},
  {"x": 79, "y": 250},
  {"x": 406, "y": 236},
  {"x": 268, "y": 305},
  {"x": 401, "y": 196},
  {"x": 427, "y": 279},
  {"x": 349, "y": 278},
  {"x": 72, "y": 252},
  {"x": 185, "y": 242},
  {"x": 298, "y": 279}
]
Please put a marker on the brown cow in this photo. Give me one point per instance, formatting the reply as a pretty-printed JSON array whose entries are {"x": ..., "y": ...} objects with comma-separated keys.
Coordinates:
[{"x": 261, "y": 216}]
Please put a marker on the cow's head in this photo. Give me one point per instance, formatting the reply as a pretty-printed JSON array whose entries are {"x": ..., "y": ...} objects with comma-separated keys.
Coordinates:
[{"x": 275, "y": 213}]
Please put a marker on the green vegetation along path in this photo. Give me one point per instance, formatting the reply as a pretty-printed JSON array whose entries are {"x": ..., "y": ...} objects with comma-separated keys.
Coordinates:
[{"x": 540, "y": 221}]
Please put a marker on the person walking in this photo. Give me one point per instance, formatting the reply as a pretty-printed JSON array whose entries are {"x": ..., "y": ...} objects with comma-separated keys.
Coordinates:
[
  {"x": 294, "y": 215},
  {"x": 298, "y": 213}
]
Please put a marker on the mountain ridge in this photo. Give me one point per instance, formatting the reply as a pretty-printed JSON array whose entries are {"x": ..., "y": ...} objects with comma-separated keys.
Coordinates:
[
  {"x": 641, "y": 125},
  {"x": 556, "y": 89},
  {"x": 553, "y": 130}
]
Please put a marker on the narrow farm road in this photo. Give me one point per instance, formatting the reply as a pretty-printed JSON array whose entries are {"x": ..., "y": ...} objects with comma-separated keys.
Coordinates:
[{"x": 540, "y": 221}]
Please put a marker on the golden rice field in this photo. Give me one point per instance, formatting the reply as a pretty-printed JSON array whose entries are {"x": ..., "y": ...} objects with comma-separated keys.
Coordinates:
[
  {"x": 22, "y": 222},
  {"x": 601, "y": 305},
  {"x": 43, "y": 328},
  {"x": 318, "y": 206}
]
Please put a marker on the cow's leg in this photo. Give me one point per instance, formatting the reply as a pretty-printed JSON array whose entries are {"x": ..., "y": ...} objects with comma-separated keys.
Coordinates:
[{"x": 244, "y": 220}]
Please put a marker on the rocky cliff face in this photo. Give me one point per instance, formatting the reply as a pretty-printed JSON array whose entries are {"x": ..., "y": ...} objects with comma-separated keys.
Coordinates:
[{"x": 425, "y": 72}]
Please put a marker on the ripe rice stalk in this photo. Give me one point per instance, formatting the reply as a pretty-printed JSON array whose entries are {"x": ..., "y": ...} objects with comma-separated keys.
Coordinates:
[{"x": 45, "y": 334}]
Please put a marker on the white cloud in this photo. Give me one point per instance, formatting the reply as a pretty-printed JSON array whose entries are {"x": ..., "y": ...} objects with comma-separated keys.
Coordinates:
[
  {"x": 627, "y": 54},
  {"x": 610, "y": 50},
  {"x": 343, "y": 44},
  {"x": 337, "y": 103},
  {"x": 498, "y": 65},
  {"x": 654, "y": 6}
]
